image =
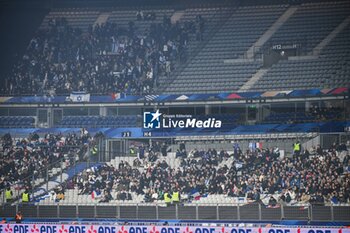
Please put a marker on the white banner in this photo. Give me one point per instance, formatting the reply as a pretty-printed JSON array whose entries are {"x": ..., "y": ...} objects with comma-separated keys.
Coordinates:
[{"x": 80, "y": 97}]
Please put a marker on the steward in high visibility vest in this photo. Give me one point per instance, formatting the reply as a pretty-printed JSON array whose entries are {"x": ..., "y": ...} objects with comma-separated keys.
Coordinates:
[
  {"x": 8, "y": 194},
  {"x": 25, "y": 197},
  {"x": 167, "y": 198},
  {"x": 297, "y": 148},
  {"x": 176, "y": 197},
  {"x": 94, "y": 150}
]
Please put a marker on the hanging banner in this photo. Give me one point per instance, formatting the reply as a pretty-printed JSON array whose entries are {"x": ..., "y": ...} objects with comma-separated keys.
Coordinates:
[
  {"x": 62, "y": 228},
  {"x": 79, "y": 96}
]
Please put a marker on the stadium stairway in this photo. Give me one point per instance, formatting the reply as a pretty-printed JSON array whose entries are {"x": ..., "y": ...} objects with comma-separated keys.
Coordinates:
[
  {"x": 41, "y": 192},
  {"x": 268, "y": 34},
  {"x": 102, "y": 18},
  {"x": 316, "y": 51},
  {"x": 253, "y": 79},
  {"x": 260, "y": 43},
  {"x": 176, "y": 16}
]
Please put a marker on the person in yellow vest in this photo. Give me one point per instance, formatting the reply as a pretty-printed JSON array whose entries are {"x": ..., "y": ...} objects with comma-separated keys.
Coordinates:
[
  {"x": 296, "y": 149},
  {"x": 175, "y": 197},
  {"x": 167, "y": 198},
  {"x": 94, "y": 151},
  {"x": 25, "y": 197},
  {"x": 132, "y": 151},
  {"x": 8, "y": 195}
]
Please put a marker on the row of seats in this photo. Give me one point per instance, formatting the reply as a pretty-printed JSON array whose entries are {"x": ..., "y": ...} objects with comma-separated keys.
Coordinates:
[
  {"x": 77, "y": 18},
  {"x": 123, "y": 17},
  {"x": 99, "y": 121},
  {"x": 17, "y": 122}
]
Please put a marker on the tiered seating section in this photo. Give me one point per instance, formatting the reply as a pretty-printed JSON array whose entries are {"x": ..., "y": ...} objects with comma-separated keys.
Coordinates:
[
  {"x": 216, "y": 61},
  {"x": 311, "y": 24},
  {"x": 215, "y": 177},
  {"x": 67, "y": 55},
  {"x": 28, "y": 161},
  {"x": 207, "y": 72}
]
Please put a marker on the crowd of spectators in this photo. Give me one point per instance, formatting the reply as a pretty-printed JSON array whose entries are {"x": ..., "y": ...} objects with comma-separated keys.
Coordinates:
[
  {"x": 106, "y": 59},
  {"x": 27, "y": 159},
  {"x": 326, "y": 113},
  {"x": 312, "y": 177}
]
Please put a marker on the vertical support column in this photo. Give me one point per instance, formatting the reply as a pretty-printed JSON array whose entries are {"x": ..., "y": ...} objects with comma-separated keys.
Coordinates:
[
  {"x": 310, "y": 213},
  {"x": 77, "y": 210},
  {"x": 217, "y": 212},
  {"x": 176, "y": 212},
  {"x": 197, "y": 217},
  {"x": 50, "y": 117},
  {"x": 95, "y": 211},
  {"x": 61, "y": 179},
  {"x": 118, "y": 211},
  {"x": 238, "y": 213},
  {"x": 137, "y": 211},
  {"x": 47, "y": 179},
  {"x": 3, "y": 197},
  {"x": 157, "y": 213},
  {"x": 103, "y": 111},
  {"x": 259, "y": 211},
  {"x": 37, "y": 211},
  {"x": 332, "y": 212},
  {"x": 58, "y": 210},
  {"x": 282, "y": 212},
  {"x": 207, "y": 109}
]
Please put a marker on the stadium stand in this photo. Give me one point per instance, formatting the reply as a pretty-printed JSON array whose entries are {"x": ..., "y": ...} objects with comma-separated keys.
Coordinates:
[
  {"x": 218, "y": 177},
  {"x": 27, "y": 163},
  {"x": 329, "y": 69},
  {"x": 108, "y": 59},
  {"x": 311, "y": 23},
  {"x": 92, "y": 72},
  {"x": 207, "y": 72},
  {"x": 215, "y": 44},
  {"x": 325, "y": 70}
]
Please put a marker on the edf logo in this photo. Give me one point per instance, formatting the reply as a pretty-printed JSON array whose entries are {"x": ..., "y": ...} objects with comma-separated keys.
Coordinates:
[{"x": 151, "y": 120}]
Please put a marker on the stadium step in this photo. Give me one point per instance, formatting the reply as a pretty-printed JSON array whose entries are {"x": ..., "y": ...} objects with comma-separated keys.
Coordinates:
[
  {"x": 177, "y": 16},
  {"x": 102, "y": 18},
  {"x": 269, "y": 33},
  {"x": 255, "y": 78},
  {"x": 316, "y": 51}
]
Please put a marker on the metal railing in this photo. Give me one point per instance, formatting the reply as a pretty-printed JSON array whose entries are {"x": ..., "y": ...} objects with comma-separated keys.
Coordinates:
[{"x": 257, "y": 212}]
